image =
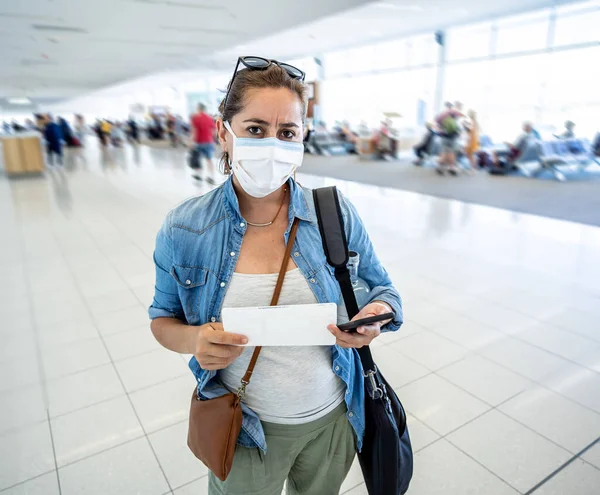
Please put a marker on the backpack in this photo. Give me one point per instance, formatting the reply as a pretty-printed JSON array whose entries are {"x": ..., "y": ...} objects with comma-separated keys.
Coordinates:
[{"x": 450, "y": 126}]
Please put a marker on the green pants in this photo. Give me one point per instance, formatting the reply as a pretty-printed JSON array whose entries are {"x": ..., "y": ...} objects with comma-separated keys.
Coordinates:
[{"x": 314, "y": 457}]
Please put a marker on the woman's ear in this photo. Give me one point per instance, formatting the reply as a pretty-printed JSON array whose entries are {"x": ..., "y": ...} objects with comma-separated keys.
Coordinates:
[{"x": 223, "y": 135}]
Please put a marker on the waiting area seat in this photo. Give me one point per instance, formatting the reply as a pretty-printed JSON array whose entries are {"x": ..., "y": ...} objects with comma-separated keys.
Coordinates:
[{"x": 558, "y": 155}]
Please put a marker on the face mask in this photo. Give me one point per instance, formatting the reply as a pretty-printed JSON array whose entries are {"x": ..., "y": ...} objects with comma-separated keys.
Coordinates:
[{"x": 262, "y": 166}]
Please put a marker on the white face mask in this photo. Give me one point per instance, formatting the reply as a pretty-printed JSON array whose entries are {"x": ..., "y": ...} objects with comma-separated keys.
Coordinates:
[{"x": 262, "y": 166}]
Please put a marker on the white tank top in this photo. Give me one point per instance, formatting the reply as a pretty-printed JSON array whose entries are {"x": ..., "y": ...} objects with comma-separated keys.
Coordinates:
[{"x": 290, "y": 385}]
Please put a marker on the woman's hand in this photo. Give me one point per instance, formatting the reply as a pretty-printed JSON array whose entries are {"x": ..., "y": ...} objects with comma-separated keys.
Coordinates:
[
  {"x": 216, "y": 349},
  {"x": 365, "y": 334}
]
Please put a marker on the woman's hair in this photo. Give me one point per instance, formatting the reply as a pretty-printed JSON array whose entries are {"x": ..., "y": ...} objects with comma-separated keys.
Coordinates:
[{"x": 246, "y": 80}]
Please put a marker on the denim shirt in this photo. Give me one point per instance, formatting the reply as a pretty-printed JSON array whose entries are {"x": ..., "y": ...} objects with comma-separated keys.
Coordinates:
[{"x": 196, "y": 253}]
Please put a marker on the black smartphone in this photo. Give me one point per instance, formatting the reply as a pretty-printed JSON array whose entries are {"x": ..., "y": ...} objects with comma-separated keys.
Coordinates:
[{"x": 351, "y": 326}]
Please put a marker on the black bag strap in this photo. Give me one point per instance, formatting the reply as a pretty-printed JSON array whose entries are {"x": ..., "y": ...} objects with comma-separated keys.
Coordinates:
[{"x": 335, "y": 245}]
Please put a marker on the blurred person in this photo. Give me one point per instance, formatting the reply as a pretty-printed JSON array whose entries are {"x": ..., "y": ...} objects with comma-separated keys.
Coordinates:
[
  {"x": 156, "y": 130},
  {"x": 105, "y": 130},
  {"x": 67, "y": 132},
  {"x": 203, "y": 127},
  {"x": 384, "y": 140},
  {"x": 54, "y": 141},
  {"x": 80, "y": 128},
  {"x": 179, "y": 130},
  {"x": 170, "y": 124},
  {"x": 30, "y": 125},
  {"x": 596, "y": 144},
  {"x": 133, "y": 132},
  {"x": 98, "y": 130},
  {"x": 502, "y": 162},
  {"x": 300, "y": 404},
  {"x": 117, "y": 135},
  {"x": 449, "y": 130},
  {"x": 569, "y": 132},
  {"x": 472, "y": 146},
  {"x": 16, "y": 127}
]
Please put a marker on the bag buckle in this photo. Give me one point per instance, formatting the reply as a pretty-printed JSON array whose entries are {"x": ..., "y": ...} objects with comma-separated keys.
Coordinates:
[
  {"x": 242, "y": 390},
  {"x": 375, "y": 391}
]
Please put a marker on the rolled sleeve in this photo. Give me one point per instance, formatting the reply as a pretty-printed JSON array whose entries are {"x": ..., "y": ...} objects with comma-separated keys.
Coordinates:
[
  {"x": 166, "y": 302},
  {"x": 370, "y": 268}
]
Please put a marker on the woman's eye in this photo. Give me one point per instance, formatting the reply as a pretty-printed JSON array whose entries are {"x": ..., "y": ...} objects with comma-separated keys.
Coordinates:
[
  {"x": 254, "y": 130},
  {"x": 288, "y": 134}
]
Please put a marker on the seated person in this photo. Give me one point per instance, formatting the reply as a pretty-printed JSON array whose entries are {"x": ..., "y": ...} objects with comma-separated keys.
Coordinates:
[
  {"x": 505, "y": 160},
  {"x": 596, "y": 145},
  {"x": 569, "y": 132},
  {"x": 385, "y": 142}
]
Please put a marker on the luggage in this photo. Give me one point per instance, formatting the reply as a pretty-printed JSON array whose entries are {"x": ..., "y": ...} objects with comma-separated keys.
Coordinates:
[{"x": 194, "y": 159}]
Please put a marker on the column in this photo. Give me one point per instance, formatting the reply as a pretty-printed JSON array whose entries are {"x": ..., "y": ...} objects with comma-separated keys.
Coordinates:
[{"x": 438, "y": 99}]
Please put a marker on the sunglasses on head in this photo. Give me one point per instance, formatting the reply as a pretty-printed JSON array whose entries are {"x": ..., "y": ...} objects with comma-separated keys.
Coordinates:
[{"x": 259, "y": 63}]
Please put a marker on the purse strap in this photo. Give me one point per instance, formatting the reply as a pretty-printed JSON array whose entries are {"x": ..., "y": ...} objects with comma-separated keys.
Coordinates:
[
  {"x": 274, "y": 301},
  {"x": 335, "y": 245}
]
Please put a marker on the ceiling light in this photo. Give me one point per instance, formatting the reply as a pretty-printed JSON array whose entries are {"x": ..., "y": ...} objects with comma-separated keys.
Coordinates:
[
  {"x": 68, "y": 29},
  {"x": 175, "y": 3},
  {"x": 394, "y": 6},
  {"x": 195, "y": 29},
  {"x": 19, "y": 101}
]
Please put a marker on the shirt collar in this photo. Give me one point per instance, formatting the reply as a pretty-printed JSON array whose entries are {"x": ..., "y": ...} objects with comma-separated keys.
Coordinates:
[{"x": 298, "y": 206}]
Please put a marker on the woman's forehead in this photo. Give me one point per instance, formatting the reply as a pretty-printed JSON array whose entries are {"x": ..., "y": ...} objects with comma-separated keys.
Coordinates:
[{"x": 272, "y": 104}]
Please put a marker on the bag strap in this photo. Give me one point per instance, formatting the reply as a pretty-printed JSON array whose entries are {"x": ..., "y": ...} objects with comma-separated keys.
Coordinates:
[
  {"x": 274, "y": 301},
  {"x": 335, "y": 245}
]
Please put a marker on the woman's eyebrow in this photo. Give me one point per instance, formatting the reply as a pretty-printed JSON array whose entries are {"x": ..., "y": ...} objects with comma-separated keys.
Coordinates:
[{"x": 267, "y": 124}]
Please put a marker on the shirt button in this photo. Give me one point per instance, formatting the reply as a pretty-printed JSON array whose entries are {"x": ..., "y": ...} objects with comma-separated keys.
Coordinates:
[
  {"x": 347, "y": 391},
  {"x": 351, "y": 414},
  {"x": 213, "y": 319},
  {"x": 222, "y": 284},
  {"x": 188, "y": 282},
  {"x": 296, "y": 254},
  {"x": 312, "y": 280},
  {"x": 242, "y": 224},
  {"x": 232, "y": 253},
  {"x": 337, "y": 368}
]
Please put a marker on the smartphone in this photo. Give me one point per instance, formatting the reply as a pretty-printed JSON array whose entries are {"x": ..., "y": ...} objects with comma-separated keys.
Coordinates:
[{"x": 351, "y": 326}]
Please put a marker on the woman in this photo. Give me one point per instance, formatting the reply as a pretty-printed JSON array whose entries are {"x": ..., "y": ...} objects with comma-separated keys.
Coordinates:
[
  {"x": 224, "y": 249},
  {"x": 473, "y": 141}
]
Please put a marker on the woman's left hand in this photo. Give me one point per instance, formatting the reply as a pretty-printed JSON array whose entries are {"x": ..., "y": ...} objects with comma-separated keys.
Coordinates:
[{"x": 365, "y": 334}]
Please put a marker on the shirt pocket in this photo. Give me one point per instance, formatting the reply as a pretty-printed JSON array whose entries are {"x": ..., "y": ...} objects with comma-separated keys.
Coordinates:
[{"x": 191, "y": 282}]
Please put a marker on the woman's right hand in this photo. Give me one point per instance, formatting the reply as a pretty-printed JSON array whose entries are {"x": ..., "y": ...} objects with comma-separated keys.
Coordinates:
[{"x": 216, "y": 349}]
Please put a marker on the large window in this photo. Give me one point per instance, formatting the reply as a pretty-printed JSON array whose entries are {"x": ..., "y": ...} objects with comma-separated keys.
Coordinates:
[
  {"x": 577, "y": 24},
  {"x": 469, "y": 42},
  {"x": 540, "y": 66},
  {"x": 366, "y": 98},
  {"x": 523, "y": 33}
]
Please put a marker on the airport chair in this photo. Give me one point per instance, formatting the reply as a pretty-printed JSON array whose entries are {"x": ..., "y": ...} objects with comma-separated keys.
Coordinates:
[
  {"x": 548, "y": 159},
  {"x": 529, "y": 159}
]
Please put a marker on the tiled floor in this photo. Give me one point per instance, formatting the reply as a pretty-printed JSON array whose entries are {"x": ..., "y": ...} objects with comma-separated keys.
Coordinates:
[{"x": 498, "y": 364}]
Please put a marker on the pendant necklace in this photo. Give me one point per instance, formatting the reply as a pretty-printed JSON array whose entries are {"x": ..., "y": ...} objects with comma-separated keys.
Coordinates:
[{"x": 274, "y": 218}]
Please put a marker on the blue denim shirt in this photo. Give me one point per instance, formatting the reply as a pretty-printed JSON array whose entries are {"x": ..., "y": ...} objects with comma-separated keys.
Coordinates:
[{"x": 196, "y": 253}]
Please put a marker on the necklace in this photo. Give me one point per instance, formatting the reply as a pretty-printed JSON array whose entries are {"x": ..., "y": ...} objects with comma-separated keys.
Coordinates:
[{"x": 274, "y": 218}]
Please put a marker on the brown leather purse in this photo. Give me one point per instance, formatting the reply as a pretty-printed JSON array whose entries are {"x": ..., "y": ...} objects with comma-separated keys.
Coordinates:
[{"x": 215, "y": 424}]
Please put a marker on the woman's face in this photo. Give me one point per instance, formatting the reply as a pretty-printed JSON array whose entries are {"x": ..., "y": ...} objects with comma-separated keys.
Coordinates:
[{"x": 267, "y": 112}]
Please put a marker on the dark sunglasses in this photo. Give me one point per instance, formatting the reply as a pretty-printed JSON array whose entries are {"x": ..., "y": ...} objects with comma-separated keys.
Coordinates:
[{"x": 259, "y": 63}]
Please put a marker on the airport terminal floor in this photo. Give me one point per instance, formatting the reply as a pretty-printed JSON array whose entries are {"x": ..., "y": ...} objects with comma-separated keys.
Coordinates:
[{"x": 497, "y": 364}]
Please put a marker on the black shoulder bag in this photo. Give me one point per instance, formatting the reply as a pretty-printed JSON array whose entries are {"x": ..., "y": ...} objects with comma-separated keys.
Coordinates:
[{"x": 386, "y": 457}]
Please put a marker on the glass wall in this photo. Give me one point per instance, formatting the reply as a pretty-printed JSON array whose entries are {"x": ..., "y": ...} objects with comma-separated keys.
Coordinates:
[
  {"x": 540, "y": 66},
  {"x": 361, "y": 84}
]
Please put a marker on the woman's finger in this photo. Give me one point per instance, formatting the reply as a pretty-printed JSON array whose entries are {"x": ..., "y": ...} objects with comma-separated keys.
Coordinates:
[
  {"x": 223, "y": 351},
  {"x": 370, "y": 331},
  {"x": 349, "y": 339}
]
